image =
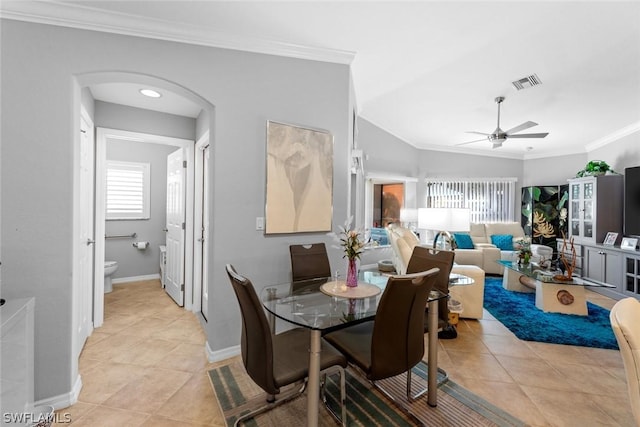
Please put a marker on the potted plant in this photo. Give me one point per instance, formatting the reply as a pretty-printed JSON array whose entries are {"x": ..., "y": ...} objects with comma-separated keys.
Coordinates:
[{"x": 595, "y": 168}]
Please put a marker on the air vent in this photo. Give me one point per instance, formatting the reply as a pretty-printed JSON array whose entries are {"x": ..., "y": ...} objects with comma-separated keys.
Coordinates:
[{"x": 527, "y": 82}]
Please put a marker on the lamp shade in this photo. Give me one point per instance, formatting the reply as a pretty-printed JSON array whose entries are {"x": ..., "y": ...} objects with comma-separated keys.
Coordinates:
[
  {"x": 408, "y": 215},
  {"x": 446, "y": 219}
]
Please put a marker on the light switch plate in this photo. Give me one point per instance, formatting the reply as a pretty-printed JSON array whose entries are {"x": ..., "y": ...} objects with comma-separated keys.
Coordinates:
[{"x": 260, "y": 223}]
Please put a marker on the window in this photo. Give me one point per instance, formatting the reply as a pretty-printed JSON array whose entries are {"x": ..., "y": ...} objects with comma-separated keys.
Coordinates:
[
  {"x": 127, "y": 190},
  {"x": 490, "y": 200},
  {"x": 388, "y": 199}
]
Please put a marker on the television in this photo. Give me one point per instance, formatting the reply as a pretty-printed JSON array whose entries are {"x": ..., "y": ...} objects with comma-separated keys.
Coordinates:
[{"x": 632, "y": 201}]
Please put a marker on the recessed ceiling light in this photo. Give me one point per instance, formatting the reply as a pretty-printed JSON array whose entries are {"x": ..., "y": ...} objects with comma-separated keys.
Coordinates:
[{"x": 150, "y": 93}]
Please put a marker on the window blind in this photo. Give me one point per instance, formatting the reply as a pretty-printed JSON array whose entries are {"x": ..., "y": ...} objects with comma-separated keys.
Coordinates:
[
  {"x": 127, "y": 190},
  {"x": 488, "y": 199}
]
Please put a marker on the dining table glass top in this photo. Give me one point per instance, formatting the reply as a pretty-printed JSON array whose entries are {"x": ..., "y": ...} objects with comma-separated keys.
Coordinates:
[{"x": 305, "y": 304}]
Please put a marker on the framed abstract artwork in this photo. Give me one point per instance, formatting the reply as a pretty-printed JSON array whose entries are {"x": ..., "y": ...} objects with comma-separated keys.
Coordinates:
[{"x": 299, "y": 193}]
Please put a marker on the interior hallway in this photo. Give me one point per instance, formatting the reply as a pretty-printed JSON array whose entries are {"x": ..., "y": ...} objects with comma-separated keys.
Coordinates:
[{"x": 147, "y": 367}]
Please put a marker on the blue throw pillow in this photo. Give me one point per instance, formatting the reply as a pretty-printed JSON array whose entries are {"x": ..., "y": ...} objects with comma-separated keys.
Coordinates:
[
  {"x": 463, "y": 240},
  {"x": 504, "y": 242}
]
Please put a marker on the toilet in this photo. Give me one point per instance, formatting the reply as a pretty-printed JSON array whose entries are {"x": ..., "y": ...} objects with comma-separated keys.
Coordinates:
[{"x": 110, "y": 267}]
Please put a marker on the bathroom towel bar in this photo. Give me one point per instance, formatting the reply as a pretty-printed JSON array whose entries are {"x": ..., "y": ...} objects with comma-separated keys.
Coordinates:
[{"x": 122, "y": 236}]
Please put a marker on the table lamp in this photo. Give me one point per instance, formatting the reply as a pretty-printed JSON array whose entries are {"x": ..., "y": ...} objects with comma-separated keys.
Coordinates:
[
  {"x": 444, "y": 221},
  {"x": 409, "y": 217}
]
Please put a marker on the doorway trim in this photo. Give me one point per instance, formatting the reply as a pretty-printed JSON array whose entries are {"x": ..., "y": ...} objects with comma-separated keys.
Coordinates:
[
  {"x": 199, "y": 264},
  {"x": 102, "y": 135}
]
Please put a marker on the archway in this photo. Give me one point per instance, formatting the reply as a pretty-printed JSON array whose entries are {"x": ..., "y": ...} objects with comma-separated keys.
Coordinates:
[{"x": 206, "y": 121}]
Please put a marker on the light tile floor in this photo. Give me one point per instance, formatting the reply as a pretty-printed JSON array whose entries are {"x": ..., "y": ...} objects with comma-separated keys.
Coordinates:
[{"x": 146, "y": 366}]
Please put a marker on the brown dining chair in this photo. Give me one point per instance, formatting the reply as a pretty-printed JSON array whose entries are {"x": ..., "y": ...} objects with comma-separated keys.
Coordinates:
[
  {"x": 310, "y": 267},
  {"x": 423, "y": 259},
  {"x": 393, "y": 343},
  {"x": 275, "y": 361}
]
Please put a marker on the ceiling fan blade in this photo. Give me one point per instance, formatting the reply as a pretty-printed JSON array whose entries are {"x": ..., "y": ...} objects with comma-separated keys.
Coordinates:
[
  {"x": 469, "y": 142},
  {"x": 523, "y": 126},
  {"x": 477, "y": 133},
  {"x": 529, "y": 135}
]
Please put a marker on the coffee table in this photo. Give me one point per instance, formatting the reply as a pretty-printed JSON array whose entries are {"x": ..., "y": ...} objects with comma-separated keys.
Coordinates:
[{"x": 551, "y": 295}]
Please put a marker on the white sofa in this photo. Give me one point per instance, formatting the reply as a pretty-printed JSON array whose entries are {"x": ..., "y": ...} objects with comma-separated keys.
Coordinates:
[
  {"x": 471, "y": 296},
  {"x": 403, "y": 240},
  {"x": 485, "y": 254}
]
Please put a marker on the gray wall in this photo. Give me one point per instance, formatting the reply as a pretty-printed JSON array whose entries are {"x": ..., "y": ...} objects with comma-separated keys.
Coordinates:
[
  {"x": 123, "y": 117},
  {"x": 131, "y": 261},
  {"x": 622, "y": 154},
  {"x": 385, "y": 153},
  {"x": 552, "y": 170},
  {"x": 38, "y": 216},
  {"x": 390, "y": 155}
]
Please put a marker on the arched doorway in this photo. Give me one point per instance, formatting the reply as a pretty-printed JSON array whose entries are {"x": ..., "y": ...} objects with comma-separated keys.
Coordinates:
[{"x": 179, "y": 93}]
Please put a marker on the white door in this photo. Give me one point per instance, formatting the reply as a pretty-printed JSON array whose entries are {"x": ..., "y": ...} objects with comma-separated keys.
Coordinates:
[
  {"x": 176, "y": 171},
  {"x": 86, "y": 244},
  {"x": 205, "y": 233}
]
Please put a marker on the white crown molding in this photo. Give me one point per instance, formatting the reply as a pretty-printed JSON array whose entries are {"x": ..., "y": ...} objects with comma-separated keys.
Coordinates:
[
  {"x": 94, "y": 19},
  {"x": 613, "y": 137},
  {"x": 555, "y": 153}
]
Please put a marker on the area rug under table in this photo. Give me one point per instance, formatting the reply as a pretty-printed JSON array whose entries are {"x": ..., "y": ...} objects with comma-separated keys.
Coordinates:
[
  {"x": 366, "y": 406},
  {"x": 517, "y": 311}
]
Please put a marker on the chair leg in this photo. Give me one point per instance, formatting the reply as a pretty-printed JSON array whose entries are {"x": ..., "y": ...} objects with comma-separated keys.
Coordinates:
[
  {"x": 271, "y": 404},
  {"x": 343, "y": 394}
]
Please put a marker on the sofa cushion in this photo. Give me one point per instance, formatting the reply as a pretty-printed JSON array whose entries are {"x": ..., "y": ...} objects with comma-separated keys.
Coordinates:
[
  {"x": 513, "y": 228},
  {"x": 477, "y": 233},
  {"x": 503, "y": 241},
  {"x": 463, "y": 240}
]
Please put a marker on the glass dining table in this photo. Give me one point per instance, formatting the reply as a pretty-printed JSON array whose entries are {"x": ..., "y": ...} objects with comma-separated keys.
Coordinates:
[{"x": 325, "y": 304}]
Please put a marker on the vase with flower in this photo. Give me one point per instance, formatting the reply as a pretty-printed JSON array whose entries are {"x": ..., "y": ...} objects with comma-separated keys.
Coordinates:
[{"x": 352, "y": 244}]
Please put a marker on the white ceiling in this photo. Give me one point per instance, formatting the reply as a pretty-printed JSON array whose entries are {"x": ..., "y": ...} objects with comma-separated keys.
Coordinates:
[{"x": 425, "y": 71}]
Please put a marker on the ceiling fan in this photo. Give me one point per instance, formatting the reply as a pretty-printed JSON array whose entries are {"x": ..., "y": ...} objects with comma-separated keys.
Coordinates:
[{"x": 499, "y": 136}]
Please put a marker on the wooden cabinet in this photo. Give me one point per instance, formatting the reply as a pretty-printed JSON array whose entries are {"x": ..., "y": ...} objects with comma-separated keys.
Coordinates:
[
  {"x": 613, "y": 266},
  {"x": 631, "y": 264},
  {"x": 603, "y": 266},
  {"x": 595, "y": 207}
]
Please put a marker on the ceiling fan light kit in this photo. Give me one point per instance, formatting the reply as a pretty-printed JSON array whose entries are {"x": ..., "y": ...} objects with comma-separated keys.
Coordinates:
[{"x": 499, "y": 136}]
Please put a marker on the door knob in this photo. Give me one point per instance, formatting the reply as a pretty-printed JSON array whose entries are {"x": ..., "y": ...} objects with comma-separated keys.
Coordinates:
[{"x": 90, "y": 242}]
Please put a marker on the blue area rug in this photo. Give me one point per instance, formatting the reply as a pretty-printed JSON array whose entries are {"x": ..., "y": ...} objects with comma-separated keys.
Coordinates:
[{"x": 518, "y": 312}]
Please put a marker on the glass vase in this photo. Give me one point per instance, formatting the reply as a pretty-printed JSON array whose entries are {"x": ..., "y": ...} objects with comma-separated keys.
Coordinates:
[{"x": 352, "y": 273}]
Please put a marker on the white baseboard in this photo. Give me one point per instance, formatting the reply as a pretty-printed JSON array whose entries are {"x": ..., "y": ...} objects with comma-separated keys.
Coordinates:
[
  {"x": 225, "y": 353},
  {"x": 136, "y": 278},
  {"x": 63, "y": 400}
]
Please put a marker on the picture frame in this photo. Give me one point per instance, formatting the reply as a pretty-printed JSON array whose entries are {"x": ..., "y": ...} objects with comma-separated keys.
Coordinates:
[
  {"x": 610, "y": 239},
  {"x": 299, "y": 181},
  {"x": 629, "y": 243}
]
